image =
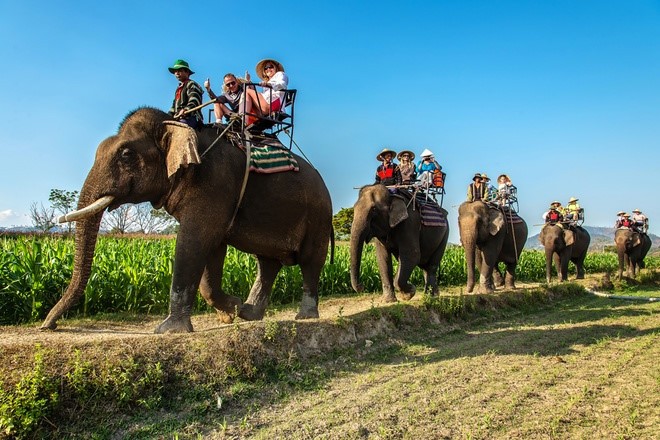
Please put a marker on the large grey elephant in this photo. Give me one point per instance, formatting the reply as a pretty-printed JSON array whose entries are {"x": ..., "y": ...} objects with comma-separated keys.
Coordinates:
[
  {"x": 397, "y": 226},
  {"x": 563, "y": 244},
  {"x": 283, "y": 218},
  {"x": 489, "y": 237},
  {"x": 631, "y": 247}
]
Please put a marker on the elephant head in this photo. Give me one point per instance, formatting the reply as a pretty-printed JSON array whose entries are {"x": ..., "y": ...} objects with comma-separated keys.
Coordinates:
[
  {"x": 375, "y": 213},
  {"x": 137, "y": 164},
  {"x": 481, "y": 229}
]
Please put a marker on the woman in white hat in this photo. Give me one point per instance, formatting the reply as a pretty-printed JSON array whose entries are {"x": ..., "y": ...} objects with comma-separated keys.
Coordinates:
[
  {"x": 426, "y": 167},
  {"x": 407, "y": 167},
  {"x": 273, "y": 81}
]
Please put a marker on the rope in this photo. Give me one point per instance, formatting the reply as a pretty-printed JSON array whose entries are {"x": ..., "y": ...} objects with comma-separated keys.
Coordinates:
[
  {"x": 513, "y": 233},
  {"x": 286, "y": 130},
  {"x": 218, "y": 138},
  {"x": 248, "y": 155}
]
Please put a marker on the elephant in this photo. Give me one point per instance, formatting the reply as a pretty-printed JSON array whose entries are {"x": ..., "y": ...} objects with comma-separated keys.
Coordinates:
[
  {"x": 397, "y": 226},
  {"x": 489, "y": 237},
  {"x": 631, "y": 247},
  {"x": 564, "y": 244},
  {"x": 200, "y": 179}
]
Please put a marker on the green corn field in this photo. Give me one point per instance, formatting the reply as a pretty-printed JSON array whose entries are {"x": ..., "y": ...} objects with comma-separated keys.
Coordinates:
[{"x": 134, "y": 275}]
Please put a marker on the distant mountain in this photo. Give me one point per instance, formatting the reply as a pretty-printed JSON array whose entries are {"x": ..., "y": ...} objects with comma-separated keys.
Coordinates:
[{"x": 601, "y": 236}]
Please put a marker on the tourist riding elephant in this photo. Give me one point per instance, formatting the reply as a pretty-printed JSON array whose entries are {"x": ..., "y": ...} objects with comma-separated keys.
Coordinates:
[
  {"x": 489, "y": 237},
  {"x": 631, "y": 247},
  {"x": 396, "y": 223},
  {"x": 564, "y": 244},
  {"x": 283, "y": 218}
]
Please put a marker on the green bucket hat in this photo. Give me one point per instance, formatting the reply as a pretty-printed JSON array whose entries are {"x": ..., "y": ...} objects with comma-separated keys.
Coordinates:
[{"x": 180, "y": 64}]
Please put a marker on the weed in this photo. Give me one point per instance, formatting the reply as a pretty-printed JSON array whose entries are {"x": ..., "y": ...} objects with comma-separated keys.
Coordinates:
[
  {"x": 270, "y": 330},
  {"x": 28, "y": 405}
]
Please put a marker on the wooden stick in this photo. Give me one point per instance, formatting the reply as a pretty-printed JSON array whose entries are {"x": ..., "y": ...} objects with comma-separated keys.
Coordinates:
[{"x": 194, "y": 109}]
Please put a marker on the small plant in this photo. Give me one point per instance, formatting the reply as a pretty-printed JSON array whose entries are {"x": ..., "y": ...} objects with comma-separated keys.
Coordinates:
[
  {"x": 270, "y": 331},
  {"x": 341, "y": 319},
  {"x": 34, "y": 397}
]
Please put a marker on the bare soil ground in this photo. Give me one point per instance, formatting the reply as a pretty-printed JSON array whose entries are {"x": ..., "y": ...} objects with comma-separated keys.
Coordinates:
[{"x": 575, "y": 367}]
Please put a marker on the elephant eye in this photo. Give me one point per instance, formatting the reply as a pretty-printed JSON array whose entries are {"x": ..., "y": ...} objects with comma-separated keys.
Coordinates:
[{"x": 126, "y": 154}]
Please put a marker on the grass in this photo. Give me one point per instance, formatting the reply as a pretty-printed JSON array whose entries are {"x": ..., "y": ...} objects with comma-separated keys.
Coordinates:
[{"x": 536, "y": 363}]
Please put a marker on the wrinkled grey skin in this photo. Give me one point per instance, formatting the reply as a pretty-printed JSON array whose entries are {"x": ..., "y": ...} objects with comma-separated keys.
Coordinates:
[
  {"x": 399, "y": 233},
  {"x": 284, "y": 218},
  {"x": 562, "y": 245},
  {"x": 631, "y": 248},
  {"x": 488, "y": 240}
]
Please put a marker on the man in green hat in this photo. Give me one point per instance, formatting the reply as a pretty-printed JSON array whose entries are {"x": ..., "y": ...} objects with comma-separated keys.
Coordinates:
[{"x": 188, "y": 95}]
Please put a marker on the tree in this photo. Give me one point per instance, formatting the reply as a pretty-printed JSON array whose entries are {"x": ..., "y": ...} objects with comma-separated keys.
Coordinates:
[
  {"x": 63, "y": 202},
  {"x": 342, "y": 222},
  {"x": 120, "y": 220},
  {"x": 42, "y": 217},
  {"x": 152, "y": 221}
]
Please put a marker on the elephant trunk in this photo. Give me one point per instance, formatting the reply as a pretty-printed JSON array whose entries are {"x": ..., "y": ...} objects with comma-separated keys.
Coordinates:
[
  {"x": 470, "y": 246},
  {"x": 548, "y": 262},
  {"x": 359, "y": 232},
  {"x": 86, "y": 233}
]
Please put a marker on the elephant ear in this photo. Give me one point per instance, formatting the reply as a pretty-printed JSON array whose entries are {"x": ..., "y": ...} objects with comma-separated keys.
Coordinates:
[
  {"x": 569, "y": 237},
  {"x": 636, "y": 239},
  {"x": 398, "y": 211},
  {"x": 180, "y": 142},
  {"x": 495, "y": 221}
]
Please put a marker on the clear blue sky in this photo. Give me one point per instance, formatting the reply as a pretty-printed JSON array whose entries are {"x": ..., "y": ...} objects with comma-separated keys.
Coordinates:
[{"x": 562, "y": 95}]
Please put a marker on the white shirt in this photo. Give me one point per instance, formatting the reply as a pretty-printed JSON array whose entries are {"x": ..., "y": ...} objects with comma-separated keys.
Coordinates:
[{"x": 278, "y": 82}]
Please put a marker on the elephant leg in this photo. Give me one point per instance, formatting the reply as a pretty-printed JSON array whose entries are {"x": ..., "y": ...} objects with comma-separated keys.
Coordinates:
[
  {"x": 385, "y": 268},
  {"x": 559, "y": 264},
  {"x": 254, "y": 307},
  {"x": 579, "y": 267},
  {"x": 498, "y": 279},
  {"x": 430, "y": 281},
  {"x": 311, "y": 274},
  {"x": 485, "y": 273},
  {"x": 403, "y": 273},
  {"x": 211, "y": 287},
  {"x": 189, "y": 261},
  {"x": 510, "y": 276}
]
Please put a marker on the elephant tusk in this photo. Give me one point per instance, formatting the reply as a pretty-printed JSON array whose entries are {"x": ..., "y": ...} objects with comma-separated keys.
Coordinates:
[{"x": 89, "y": 210}]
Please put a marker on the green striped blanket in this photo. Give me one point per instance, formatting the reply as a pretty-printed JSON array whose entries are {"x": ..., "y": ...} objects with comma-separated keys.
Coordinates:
[{"x": 269, "y": 159}]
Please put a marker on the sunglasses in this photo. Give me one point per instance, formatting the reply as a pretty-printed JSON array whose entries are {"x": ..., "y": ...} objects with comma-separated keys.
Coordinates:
[
  {"x": 230, "y": 84},
  {"x": 269, "y": 67}
]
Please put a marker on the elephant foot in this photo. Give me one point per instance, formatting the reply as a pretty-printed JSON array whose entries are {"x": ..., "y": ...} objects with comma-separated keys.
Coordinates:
[
  {"x": 224, "y": 317},
  {"x": 228, "y": 309},
  {"x": 485, "y": 290},
  {"x": 388, "y": 298},
  {"x": 175, "y": 325},
  {"x": 309, "y": 307},
  {"x": 307, "y": 314},
  {"x": 48, "y": 326},
  {"x": 407, "y": 292},
  {"x": 251, "y": 312}
]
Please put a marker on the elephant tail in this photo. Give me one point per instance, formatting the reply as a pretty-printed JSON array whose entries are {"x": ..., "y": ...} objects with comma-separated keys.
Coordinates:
[{"x": 332, "y": 245}]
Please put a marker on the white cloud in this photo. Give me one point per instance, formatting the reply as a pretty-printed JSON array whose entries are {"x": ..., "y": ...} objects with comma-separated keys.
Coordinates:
[{"x": 10, "y": 218}]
